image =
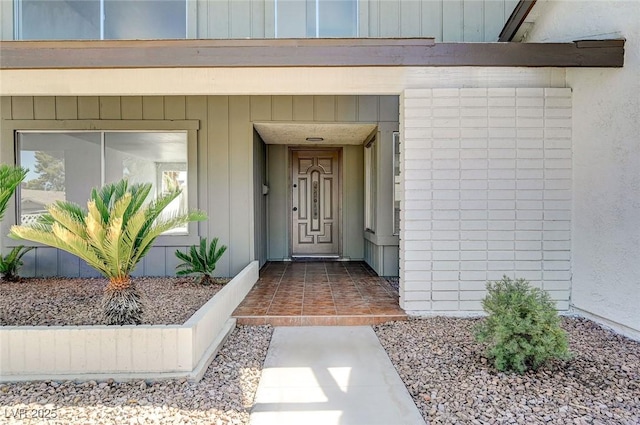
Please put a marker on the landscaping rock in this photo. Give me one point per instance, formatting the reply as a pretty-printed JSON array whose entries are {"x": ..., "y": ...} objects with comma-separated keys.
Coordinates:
[
  {"x": 77, "y": 301},
  {"x": 224, "y": 395},
  {"x": 440, "y": 358}
]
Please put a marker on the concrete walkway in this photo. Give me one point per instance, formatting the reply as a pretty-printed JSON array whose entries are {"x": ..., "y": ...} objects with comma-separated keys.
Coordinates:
[{"x": 330, "y": 375}]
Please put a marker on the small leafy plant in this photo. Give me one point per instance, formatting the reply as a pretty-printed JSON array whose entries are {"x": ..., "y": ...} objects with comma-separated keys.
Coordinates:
[
  {"x": 10, "y": 179},
  {"x": 201, "y": 260},
  {"x": 10, "y": 263},
  {"x": 523, "y": 329}
]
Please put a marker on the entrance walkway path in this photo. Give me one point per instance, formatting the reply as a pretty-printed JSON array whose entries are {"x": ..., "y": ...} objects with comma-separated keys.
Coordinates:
[{"x": 330, "y": 375}]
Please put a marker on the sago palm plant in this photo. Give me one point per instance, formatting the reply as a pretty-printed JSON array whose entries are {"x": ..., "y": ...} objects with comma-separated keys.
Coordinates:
[
  {"x": 112, "y": 236},
  {"x": 201, "y": 261},
  {"x": 10, "y": 179}
]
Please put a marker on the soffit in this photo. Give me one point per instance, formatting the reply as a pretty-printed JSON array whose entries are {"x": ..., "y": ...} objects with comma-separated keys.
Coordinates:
[{"x": 331, "y": 133}]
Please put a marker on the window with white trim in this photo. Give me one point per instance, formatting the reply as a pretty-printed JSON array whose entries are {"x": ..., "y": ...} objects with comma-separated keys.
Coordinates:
[
  {"x": 66, "y": 165},
  {"x": 100, "y": 19}
]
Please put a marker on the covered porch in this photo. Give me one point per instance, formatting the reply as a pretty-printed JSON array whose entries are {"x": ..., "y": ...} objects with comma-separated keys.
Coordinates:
[{"x": 319, "y": 293}]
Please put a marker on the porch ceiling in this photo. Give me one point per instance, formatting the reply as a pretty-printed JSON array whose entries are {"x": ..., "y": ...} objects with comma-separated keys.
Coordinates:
[{"x": 330, "y": 133}]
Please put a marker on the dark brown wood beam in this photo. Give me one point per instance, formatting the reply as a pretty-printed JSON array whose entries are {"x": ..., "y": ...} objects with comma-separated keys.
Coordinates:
[
  {"x": 305, "y": 53},
  {"x": 519, "y": 14}
]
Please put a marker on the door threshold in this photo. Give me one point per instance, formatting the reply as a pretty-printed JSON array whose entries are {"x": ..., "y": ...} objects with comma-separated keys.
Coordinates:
[{"x": 315, "y": 257}]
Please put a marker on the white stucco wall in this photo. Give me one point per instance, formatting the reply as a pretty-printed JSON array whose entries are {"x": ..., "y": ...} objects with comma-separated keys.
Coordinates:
[{"x": 606, "y": 160}]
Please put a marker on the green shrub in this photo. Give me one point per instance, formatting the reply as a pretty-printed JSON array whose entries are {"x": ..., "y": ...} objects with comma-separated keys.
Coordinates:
[
  {"x": 10, "y": 263},
  {"x": 200, "y": 260},
  {"x": 112, "y": 235},
  {"x": 10, "y": 177},
  {"x": 523, "y": 329}
]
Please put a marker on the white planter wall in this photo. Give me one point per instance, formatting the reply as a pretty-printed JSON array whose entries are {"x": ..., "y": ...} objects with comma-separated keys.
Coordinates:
[
  {"x": 486, "y": 179},
  {"x": 124, "y": 352}
]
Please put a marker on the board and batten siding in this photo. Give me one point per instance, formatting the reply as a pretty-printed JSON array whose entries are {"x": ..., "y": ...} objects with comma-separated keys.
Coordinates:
[
  {"x": 382, "y": 110},
  {"x": 444, "y": 20},
  {"x": 486, "y": 178},
  {"x": 225, "y": 171}
]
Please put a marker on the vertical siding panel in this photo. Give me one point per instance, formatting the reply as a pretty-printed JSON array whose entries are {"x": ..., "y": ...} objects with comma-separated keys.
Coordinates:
[
  {"x": 240, "y": 176},
  {"x": 7, "y": 151},
  {"x": 431, "y": 16},
  {"x": 44, "y": 108},
  {"x": 303, "y": 108},
  {"x": 346, "y": 108},
  {"x": 494, "y": 19},
  {"x": 110, "y": 108},
  {"x": 67, "y": 108},
  {"x": 389, "y": 18},
  {"x": 269, "y": 18},
  {"x": 22, "y": 107},
  {"x": 46, "y": 262},
  {"x": 240, "y": 16},
  {"x": 152, "y": 108},
  {"x": 324, "y": 108},
  {"x": 473, "y": 20},
  {"x": 28, "y": 269},
  {"x": 88, "y": 107},
  {"x": 257, "y": 19},
  {"x": 170, "y": 259},
  {"x": 410, "y": 18},
  {"x": 219, "y": 19},
  {"x": 5, "y": 107},
  {"x": 282, "y": 108},
  {"x": 374, "y": 18},
  {"x": 260, "y": 108},
  {"x": 363, "y": 18},
  {"x": 368, "y": 108},
  {"x": 452, "y": 17},
  {"x": 68, "y": 264},
  {"x": 203, "y": 19},
  {"x": 131, "y": 107},
  {"x": 218, "y": 178},
  {"x": 155, "y": 262},
  {"x": 389, "y": 108},
  {"x": 6, "y": 20},
  {"x": 196, "y": 108},
  {"x": 174, "y": 107}
]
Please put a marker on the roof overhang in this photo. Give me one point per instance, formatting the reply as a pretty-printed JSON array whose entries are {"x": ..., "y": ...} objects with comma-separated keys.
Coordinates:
[{"x": 278, "y": 53}]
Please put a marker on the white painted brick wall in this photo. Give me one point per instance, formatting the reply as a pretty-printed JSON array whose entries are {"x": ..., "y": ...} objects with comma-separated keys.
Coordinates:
[{"x": 486, "y": 176}]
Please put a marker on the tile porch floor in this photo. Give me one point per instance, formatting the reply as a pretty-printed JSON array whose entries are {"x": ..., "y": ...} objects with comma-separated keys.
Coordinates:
[{"x": 318, "y": 293}]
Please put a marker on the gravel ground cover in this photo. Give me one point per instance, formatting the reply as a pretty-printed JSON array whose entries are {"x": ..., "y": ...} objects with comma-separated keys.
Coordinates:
[
  {"x": 76, "y": 301},
  {"x": 452, "y": 383},
  {"x": 223, "y": 396}
]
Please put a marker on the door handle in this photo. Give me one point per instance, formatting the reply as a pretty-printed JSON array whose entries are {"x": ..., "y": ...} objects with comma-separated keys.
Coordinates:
[{"x": 295, "y": 208}]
